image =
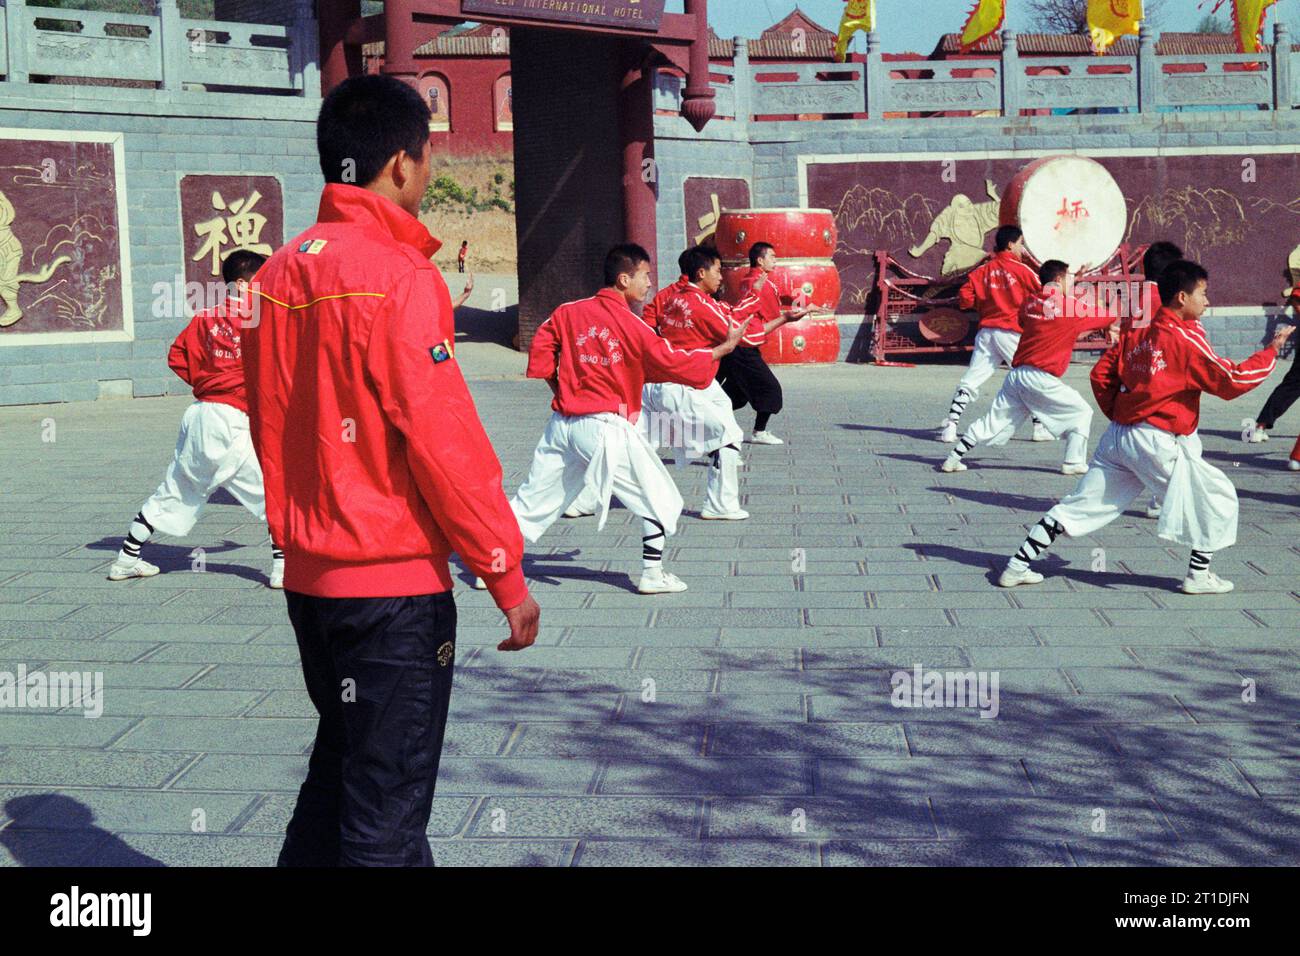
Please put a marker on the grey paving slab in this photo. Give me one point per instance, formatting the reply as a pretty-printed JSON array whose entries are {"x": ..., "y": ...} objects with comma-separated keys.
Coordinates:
[
  {"x": 712, "y": 853},
  {"x": 899, "y": 817},
  {"x": 947, "y": 853},
  {"x": 68, "y": 767},
  {"x": 598, "y": 816},
  {"x": 134, "y": 811}
]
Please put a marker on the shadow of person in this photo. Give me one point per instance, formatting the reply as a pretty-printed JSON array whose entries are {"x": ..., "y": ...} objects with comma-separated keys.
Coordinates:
[{"x": 55, "y": 830}]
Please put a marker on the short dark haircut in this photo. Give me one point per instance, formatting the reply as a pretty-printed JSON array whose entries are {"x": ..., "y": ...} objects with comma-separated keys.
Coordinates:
[
  {"x": 241, "y": 264},
  {"x": 758, "y": 250},
  {"x": 623, "y": 260},
  {"x": 364, "y": 122},
  {"x": 1051, "y": 270},
  {"x": 697, "y": 259},
  {"x": 1180, "y": 276},
  {"x": 1159, "y": 257},
  {"x": 1005, "y": 236}
]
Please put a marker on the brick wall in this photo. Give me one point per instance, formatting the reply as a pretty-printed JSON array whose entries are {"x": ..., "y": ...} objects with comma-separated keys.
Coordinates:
[{"x": 165, "y": 135}]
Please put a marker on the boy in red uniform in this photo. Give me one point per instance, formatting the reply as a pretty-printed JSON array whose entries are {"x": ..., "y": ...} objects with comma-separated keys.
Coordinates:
[
  {"x": 377, "y": 468},
  {"x": 596, "y": 355},
  {"x": 997, "y": 290},
  {"x": 1150, "y": 386},
  {"x": 1050, "y": 321},
  {"x": 214, "y": 449}
]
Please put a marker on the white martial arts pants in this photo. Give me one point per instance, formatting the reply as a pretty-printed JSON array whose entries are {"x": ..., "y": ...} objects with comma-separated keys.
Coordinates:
[
  {"x": 597, "y": 456},
  {"x": 1030, "y": 392},
  {"x": 1199, "y": 502},
  {"x": 993, "y": 347},
  {"x": 214, "y": 450},
  {"x": 695, "y": 423}
]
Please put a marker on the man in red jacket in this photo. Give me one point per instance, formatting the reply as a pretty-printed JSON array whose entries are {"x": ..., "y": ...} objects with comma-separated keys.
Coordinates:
[
  {"x": 214, "y": 449},
  {"x": 996, "y": 290},
  {"x": 377, "y": 468},
  {"x": 1150, "y": 386},
  {"x": 1051, "y": 322},
  {"x": 596, "y": 355}
]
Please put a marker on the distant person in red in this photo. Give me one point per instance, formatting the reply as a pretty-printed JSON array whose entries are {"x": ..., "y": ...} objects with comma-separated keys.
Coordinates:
[
  {"x": 214, "y": 449},
  {"x": 460, "y": 256},
  {"x": 996, "y": 290},
  {"x": 377, "y": 468}
]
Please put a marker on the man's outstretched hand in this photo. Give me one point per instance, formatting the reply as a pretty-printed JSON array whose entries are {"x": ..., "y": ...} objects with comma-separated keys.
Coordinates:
[
  {"x": 523, "y": 619},
  {"x": 1281, "y": 335}
]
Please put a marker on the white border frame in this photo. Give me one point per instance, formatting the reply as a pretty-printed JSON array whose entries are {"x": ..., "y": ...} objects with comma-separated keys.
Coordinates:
[{"x": 127, "y": 333}]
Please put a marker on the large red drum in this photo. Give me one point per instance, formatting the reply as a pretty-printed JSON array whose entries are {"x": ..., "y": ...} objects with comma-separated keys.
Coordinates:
[
  {"x": 814, "y": 340},
  {"x": 1070, "y": 208},
  {"x": 795, "y": 233},
  {"x": 813, "y": 282}
]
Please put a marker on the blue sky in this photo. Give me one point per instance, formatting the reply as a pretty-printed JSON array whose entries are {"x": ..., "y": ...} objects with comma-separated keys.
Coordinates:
[{"x": 903, "y": 29}]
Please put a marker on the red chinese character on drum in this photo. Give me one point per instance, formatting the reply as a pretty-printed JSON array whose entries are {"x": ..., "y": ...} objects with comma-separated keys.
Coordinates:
[{"x": 1070, "y": 212}]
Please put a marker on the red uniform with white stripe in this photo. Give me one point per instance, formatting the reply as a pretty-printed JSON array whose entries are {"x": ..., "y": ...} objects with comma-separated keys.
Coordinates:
[
  {"x": 693, "y": 319},
  {"x": 376, "y": 464},
  {"x": 1048, "y": 333},
  {"x": 603, "y": 355},
  {"x": 997, "y": 289},
  {"x": 769, "y": 307},
  {"x": 1156, "y": 375},
  {"x": 651, "y": 313},
  {"x": 207, "y": 355}
]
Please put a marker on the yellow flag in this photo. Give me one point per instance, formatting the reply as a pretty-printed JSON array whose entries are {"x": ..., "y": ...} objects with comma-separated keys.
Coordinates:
[
  {"x": 1248, "y": 22},
  {"x": 858, "y": 15},
  {"x": 1108, "y": 20},
  {"x": 985, "y": 18}
]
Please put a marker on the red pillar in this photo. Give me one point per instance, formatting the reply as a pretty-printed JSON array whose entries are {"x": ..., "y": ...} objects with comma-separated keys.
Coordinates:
[
  {"x": 338, "y": 60},
  {"x": 636, "y": 136},
  {"x": 399, "y": 40},
  {"x": 698, "y": 106}
]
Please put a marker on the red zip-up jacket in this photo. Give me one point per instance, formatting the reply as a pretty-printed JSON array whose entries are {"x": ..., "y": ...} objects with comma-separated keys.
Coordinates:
[
  {"x": 1156, "y": 374},
  {"x": 207, "y": 357},
  {"x": 650, "y": 314},
  {"x": 769, "y": 307},
  {"x": 693, "y": 319},
  {"x": 375, "y": 461},
  {"x": 997, "y": 289},
  {"x": 1048, "y": 333},
  {"x": 603, "y": 355}
]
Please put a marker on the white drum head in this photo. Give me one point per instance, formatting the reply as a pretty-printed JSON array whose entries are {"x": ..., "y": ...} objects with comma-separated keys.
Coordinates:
[{"x": 1072, "y": 209}]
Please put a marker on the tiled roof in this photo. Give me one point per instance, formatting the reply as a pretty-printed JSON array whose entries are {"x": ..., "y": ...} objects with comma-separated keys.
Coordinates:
[{"x": 463, "y": 44}]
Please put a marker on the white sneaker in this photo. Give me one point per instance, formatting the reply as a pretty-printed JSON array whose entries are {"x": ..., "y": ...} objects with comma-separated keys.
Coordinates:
[
  {"x": 479, "y": 584},
  {"x": 276, "y": 580},
  {"x": 737, "y": 515},
  {"x": 1154, "y": 509},
  {"x": 948, "y": 432},
  {"x": 1078, "y": 468},
  {"x": 952, "y": 463},
  {"x": 1293, "y": 465},
  {"x": 764, "y": 438},
  {"x": 1011, "y": 579},
  {"x": 126, "y": 570},
  {"x": 1205, "y": 582},
  {"x": 1255, "y": 434},
  {"x": 1041, "y": 433},
  {"x": 659, "y": 581},
  {"x": 575, "y": 512}
]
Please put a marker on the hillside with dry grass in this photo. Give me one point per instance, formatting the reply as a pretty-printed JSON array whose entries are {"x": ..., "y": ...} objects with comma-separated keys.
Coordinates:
[{"x": 473, "y": 198}]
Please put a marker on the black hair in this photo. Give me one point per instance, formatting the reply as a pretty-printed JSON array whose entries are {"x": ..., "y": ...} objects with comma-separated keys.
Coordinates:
[
  {"x": 696, "y": 259},
  {"x": 758, "y": 250},
  {"x": 1159, "y": 257},
  {"x": 1051, "y": 270},
  {"x": 1180, "y": 276},
  {"x": 623, "y": 260},
  {"x": 1005, "y": 236},
  {"x": 241, "y": 264},
  {"x": 364, "y": 122}
]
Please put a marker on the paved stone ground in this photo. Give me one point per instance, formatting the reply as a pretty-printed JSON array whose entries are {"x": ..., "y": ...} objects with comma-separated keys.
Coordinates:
[{"x": 771, "y": 688}]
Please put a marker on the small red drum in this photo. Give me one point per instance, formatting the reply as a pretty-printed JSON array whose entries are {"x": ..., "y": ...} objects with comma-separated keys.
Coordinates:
[
  {"x": 809, "y": 282},
  {"x": 795, "y": 233},
  {"x": 810, "y": 341},
  {"x": 1070, "y": 208}
]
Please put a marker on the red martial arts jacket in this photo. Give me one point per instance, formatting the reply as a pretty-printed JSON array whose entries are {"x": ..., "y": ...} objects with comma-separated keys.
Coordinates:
[
  {"x": 650, "y": 314},
  {"x": 207, "y": 356},
  {"x": 1048, "y": 331},
  {"x": 997, "y": 289},
  {"x": 376, "y": 464},
  {"x": 603, "y": 354},
  {"x": 1156, "y": 374},
  {"x": 769, "y": 307},
  {"x": 693, "y": 319}
]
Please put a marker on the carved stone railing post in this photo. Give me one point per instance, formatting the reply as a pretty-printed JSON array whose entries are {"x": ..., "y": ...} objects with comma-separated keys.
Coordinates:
[
  {"x": 1282, "y": 92},
  {"x": 18, "y": 24},
  {"x": 1011, "y": 76},
  {"x": 1148, "y": 70},
  {"x": 875, "y": 77},
  {"x": 172, "y": 43},
  {"x": 742, "y": 87},
  {"x": 304, "y": 38}
]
